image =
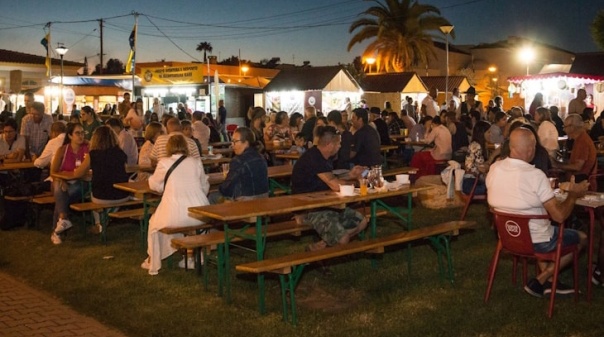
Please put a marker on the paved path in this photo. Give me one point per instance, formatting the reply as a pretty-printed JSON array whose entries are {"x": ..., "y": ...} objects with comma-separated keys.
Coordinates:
[{"x": 25, "y": 311}]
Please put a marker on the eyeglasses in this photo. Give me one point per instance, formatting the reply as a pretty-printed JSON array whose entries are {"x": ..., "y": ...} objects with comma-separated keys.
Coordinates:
[{"x": 234, "y": 141}]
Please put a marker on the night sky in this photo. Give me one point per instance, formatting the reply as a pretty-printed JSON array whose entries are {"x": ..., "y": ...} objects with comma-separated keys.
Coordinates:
[{"x": 295, "y": 31}]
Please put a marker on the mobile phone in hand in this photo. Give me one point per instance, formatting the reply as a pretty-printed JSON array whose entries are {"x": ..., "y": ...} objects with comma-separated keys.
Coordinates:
[{"x": 580, "y": 177}]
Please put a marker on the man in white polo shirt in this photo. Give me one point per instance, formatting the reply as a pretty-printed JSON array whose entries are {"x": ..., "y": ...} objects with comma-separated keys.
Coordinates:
[{"x": 515, "y": 186}]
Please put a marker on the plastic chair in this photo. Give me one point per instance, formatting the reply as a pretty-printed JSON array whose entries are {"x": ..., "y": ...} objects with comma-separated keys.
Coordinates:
[
  {"x": 230, "y": 128},
  {"x": 515, "y": 239},
  {"x": 468, "y": 198}
]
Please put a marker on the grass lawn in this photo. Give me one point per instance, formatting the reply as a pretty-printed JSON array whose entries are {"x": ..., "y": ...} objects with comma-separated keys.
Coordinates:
[{"x": 357, "y": 300}]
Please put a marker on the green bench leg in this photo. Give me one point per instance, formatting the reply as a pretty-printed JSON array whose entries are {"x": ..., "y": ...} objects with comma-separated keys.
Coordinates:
[
  {"x": 405, "y": 215},
  {"x": 290, "y": 284},
  {"x": 441, "y": 245}
]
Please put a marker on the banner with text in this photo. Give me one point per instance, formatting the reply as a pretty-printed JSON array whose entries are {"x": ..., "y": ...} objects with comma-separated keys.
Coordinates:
[{"x": 189, "y": 74}]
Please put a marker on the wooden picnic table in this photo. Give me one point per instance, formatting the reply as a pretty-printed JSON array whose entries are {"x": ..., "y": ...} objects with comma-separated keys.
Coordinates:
[
  {"x": 220, "y": 144},
  {"x": 16, "y": 166},
  {"x": 222, "y": 151},
  {"x": 591, "y": 201},
  {"x": 262, "y": 210}
]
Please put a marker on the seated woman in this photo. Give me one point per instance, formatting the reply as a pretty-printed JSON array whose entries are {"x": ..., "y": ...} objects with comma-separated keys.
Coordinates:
[
  {"x": 184, "y": 184},
  {"x": 248, "y": 173},
  {"x": 425, "y": 161},
  {"x": 67, "y": 158},
  {"x": 279, "y": 130},
  {"x": 108, "y": 162},
  {"x": 152, "y": 131},
  {"x": 477, "y": 152}
]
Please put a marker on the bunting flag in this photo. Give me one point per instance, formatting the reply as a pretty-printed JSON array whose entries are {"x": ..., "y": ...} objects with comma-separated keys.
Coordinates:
[
  {"x": 131, "y": 55},
  {"x": 45, "y": 41}
]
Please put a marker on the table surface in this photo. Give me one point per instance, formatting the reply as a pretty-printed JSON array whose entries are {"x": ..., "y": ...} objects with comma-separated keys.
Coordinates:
[
  {"x": 134, "y": 187},
  {"x": 222, "y": 150},
  {"x": 220, "y": 144},
  {"x": 288, "y": 204},
  {"x": 280, "y": 171},
  {"x": 16, "y": 166},
  {"x": 69, "y": 175}
]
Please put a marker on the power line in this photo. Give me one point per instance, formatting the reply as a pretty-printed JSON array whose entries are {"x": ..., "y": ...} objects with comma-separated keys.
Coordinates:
[{"x": 169, "y": 39}]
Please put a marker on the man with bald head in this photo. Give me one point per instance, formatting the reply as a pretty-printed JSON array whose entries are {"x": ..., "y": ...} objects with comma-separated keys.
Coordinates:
[
  {"x": 517, "y": 187},
  {"x": 159, "y": 148}
]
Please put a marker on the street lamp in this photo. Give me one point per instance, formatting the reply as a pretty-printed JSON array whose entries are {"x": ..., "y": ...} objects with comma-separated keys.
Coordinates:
[
  {"x": 527, "y": 55},
  {"x": 447, "y": 29},
  {"x": 61, "y": 50},
  {"x": 245, "y": 69},
  {"x": 370, "y": 61}
]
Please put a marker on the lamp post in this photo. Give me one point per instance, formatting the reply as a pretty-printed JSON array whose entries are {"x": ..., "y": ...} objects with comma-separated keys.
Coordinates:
[
  {"x": 493, "y": 75},
  {"x": 447, "y": 29},
  {"x": 370, "y": 61},
  {"x": 61, "y": 50},
  {"x": 527, "y": 54},
  {"x": 244, "y": 69}
]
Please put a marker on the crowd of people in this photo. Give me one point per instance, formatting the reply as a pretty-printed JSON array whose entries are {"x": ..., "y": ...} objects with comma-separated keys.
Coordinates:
[{"x": 496, "y": 147}]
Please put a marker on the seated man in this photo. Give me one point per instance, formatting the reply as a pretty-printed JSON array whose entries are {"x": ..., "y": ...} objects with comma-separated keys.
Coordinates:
[
  {"x": 583, "y": 159},
  {"x": 125, "y": 139},
  {"x": 248, "y": 174},
  {"x": 365, "y": 150},
  {"x": 313, "y": 173},
  {"x": 515, "y": 186},
  {"x": 159, "y": 148}
]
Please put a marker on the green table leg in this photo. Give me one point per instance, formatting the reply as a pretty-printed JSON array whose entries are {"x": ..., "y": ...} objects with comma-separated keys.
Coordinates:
[{"x": 260, "y": 246}]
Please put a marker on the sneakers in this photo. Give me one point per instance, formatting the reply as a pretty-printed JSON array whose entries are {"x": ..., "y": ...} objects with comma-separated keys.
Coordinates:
[
  {"x": 596, "y": 276},
  {"x": 56, "y": 239},
  {"x": 190, "y": 263},
  {"x": 147, "y": 265},
  {"x": 534, "y": 288},
  {"x": 561, "y": 289},
  {"x": 63, "y": 225},
  {"x": 96, "y": 229}
]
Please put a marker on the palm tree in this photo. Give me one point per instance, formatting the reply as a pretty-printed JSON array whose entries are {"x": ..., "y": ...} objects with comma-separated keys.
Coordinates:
[
  {"x": 597, "y": 29},
  {"x": 402, "y": 33},
  {"x": 204, "y": 47}
]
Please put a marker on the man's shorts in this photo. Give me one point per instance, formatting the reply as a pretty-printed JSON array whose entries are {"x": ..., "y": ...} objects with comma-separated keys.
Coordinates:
[
  {"x": 332, "y": 225},
  {"x": 570, "y": 237}
]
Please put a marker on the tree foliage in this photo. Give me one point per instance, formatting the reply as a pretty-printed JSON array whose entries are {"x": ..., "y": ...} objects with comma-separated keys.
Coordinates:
[
  {"x": 401, "y": 33},
  {"x": 597, "y": 29},
  {"x": 205, "y": 47},
  {"x": 114, "y": 66}
]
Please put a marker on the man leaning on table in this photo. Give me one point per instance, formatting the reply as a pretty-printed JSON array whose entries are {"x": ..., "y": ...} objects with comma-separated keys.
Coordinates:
[
  {"x": 515, "y": 186},
  {"x": 313, "y": 173},
  {"x": 583, "y": 156}
]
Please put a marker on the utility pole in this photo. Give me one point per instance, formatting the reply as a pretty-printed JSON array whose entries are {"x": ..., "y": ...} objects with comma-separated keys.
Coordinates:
[{"x": 101, "y": 60}]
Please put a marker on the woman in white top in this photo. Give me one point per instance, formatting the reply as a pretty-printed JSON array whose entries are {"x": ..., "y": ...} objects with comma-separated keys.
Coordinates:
[
  {"x": 134, "y": 119},
  {"x": 547, "y": 132},
  {"x": 186, "y": 187}
]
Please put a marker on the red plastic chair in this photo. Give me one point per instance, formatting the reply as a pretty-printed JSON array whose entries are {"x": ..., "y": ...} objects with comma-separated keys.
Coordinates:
[
  {"x": 230, "y": 128},
  {"x": 515, "y": 239},
  {"x": 468, "y": 198}
]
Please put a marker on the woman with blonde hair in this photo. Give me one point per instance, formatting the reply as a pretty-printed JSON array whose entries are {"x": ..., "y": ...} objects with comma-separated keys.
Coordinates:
[{"x": 184, "y": 184}]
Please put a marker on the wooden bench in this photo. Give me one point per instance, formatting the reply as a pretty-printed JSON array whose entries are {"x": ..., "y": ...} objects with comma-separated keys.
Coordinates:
[
  {"x": 103, "y": 210},
  {"x": 34, "y": 217},
  {"x": 292, "y": 265},
  {"x": 203, "y": 244}
]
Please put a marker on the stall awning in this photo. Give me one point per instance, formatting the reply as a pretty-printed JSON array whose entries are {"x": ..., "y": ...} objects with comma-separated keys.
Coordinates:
[{"x": 559, "y": 75}]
